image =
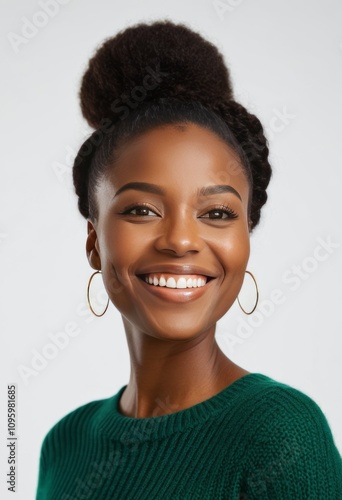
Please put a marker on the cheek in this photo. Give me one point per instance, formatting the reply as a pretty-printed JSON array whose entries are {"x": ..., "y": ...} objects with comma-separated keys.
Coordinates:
[
  {"x": 117, "y": 242},
  {"x": 234, "y": 258},
  {"x": 120, "y": 249},
  {"x": 234, "y": 250}
]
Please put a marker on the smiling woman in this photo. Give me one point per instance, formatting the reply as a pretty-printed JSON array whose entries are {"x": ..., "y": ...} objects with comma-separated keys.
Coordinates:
[{"x": 171, "y": 191}]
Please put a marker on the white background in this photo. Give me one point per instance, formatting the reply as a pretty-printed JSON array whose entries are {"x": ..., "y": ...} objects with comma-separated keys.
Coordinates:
[{"x": 285, "y": 59}]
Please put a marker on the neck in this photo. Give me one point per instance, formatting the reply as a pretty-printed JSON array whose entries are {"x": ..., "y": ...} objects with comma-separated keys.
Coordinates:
[{"x": 170, "y": 375}]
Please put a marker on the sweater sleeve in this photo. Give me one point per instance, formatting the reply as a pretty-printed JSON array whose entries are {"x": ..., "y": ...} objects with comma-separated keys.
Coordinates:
[{"x": 291, "y": 453}]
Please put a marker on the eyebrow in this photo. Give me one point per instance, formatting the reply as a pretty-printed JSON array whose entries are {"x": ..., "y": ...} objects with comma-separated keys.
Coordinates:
[{"x": 153, "y": 188}]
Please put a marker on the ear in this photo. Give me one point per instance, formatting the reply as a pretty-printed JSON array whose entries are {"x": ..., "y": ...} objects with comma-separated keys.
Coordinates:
[{"x": 92, "y": 247}]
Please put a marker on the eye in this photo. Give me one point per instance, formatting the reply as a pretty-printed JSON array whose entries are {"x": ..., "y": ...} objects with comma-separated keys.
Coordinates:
[
  {"x": 141, "y": 209},
  {"x": 231, "y": 214}
]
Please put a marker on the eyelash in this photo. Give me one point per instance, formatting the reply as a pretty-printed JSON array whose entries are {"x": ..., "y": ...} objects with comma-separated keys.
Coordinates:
[{"x": 221, "y": 208}]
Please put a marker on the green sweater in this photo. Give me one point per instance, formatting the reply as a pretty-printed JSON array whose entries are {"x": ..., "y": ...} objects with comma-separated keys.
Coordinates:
[{"x": 256, "y": 439}]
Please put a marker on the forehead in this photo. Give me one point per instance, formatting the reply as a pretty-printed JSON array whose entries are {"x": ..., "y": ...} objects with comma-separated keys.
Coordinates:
[{"x": 181, "y": 156}]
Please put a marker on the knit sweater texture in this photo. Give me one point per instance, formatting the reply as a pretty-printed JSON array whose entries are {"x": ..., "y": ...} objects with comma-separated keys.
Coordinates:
[{"x": 258, "y": 438}]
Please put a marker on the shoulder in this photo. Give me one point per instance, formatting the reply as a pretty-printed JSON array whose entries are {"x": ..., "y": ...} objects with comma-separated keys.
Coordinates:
[
  {"x": 281, "y": 404},
  {"x": 71, "y": 428},
  {"x": 64, "y": 437},
  {"x": 290, "y": 412},
  {"x": 290, "y": 448},
  {"x": 268, "y": 398}
]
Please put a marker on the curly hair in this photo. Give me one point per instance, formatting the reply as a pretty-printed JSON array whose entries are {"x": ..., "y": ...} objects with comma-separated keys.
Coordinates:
[{"x": 160, "y": 73}]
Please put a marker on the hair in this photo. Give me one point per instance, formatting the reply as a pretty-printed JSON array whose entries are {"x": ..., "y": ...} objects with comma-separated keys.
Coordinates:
[{"x": 156, "y": 74}]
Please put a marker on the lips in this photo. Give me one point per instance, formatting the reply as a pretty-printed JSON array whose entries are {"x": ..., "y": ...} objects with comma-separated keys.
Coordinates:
[{"x": 178, "y": 294}]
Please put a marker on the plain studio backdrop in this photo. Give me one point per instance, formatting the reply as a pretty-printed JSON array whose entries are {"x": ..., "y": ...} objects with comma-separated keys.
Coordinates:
[{"x": 285, "y": 60}]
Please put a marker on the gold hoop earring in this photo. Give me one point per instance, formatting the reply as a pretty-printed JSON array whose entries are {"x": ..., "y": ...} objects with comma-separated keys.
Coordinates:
[
  {"x": 257, "y": 296},
  {"x": 92, "y": 310}
]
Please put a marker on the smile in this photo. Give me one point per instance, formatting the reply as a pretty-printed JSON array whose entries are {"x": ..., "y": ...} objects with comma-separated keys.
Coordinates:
[
  {"x": 176, "y": 288},
  {"x": 176, "y": 280}
]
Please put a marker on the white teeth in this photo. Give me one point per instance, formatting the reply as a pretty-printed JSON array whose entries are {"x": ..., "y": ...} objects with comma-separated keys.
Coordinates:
[
  {"x": 171, "y": 282},
  {"x": 181, "y": 283},
  {"x": 162, "y": 281}
]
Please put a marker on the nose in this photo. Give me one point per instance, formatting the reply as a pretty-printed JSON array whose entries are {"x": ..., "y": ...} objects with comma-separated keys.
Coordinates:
[{"x": 179, "y": 234}]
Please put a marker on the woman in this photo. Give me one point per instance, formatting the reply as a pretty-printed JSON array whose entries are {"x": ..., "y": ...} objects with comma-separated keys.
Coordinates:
[{"x": 171, "y": 184}]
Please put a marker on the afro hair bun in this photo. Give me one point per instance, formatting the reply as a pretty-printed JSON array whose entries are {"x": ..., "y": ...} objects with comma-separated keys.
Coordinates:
[{"x": 145, "y": 62}]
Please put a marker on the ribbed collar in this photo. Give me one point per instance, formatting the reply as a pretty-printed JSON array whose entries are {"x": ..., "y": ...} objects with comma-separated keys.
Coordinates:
[{"x": 118, "y": 426}]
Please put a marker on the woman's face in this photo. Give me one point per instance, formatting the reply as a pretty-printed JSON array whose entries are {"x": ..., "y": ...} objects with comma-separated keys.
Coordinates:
[{"x": 166, "y": 224}]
